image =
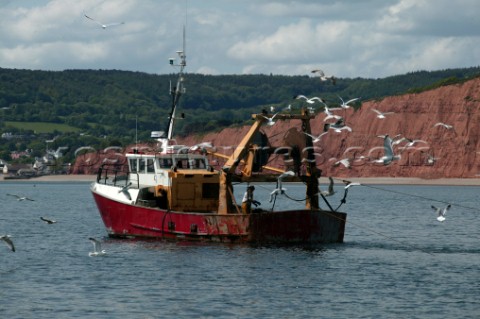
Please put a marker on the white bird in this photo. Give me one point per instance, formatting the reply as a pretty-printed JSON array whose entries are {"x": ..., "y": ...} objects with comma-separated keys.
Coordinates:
[
  {"x": 270, "y": 119},
  {"x": 48, "y": 221},
  {"x": 20, "y": 198},
  {"x": 329, "y": 114},
  {"x": 272, "y": 109},
  {"x": 413, "y": 142},
  {"x": 447, "y": 126},
  {"x": 309, "y": 100},
  {"x": 97, "y": 248},
  {"x": 381, "y": 115},
  {"x": 104, "y": 26},
  {"x": 316, "y": 139},
  {"x": 288, "y": 108},
  {"x": 8, "y": 241},
  {"x": 388, "y": 150},
  {"x": 345, "y": 105},
  {"x": 441, "y": 212},
  {"x": 345, "y": 162},
  {"x": 350, "y": 184},
  {"x": 338, "y": 126},
  {"x": 125, "y": 192},
  {"x": 280, "y": 189},
  {"x": 324, "y": 77},
  {"x": 201, "y": 146},
  {"x": 330, "y": 190}
]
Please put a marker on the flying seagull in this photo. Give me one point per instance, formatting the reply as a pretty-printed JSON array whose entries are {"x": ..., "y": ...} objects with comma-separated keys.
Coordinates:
[
  {"x": 270, "y": 119},
  {"x": 125, "y": 192},
  {"x": 345, "y": 105},
  {"x": 381, "y": 115},
  {"x": 48, "y": 221},
  {"x": 280, "y": 189},
  {"x": 329, "y": 114},
  {"x": 350, "y": 184},
  {"x": 441, "y": 212},
  {"x": 330, "y": 190},
  {"x": 20, "y": 198},
  {"x": 316, "y": 139},
  {"x": 104, "y": 26},
  {"x": 388, "y": 150},
  {"x": 8, "y": 241},
  {"x": 345, "y": 162},
  {"x": 308, "y": 100},
  {"x": 324, "y": 77},
  {"x": 447, "y": 126},
  {"x": 97, "y": 248},
  {"x": 338, "y": 126}
]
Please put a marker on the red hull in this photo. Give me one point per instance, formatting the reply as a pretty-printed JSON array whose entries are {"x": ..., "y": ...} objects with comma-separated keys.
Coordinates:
[{"x": 294, "y": 226}]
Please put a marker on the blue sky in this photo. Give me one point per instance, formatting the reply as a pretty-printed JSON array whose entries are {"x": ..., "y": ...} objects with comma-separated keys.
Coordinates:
[{"x": 369, "y": 38}]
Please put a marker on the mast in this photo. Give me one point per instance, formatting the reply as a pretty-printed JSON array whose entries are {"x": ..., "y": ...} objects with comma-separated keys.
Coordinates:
[{"x": 179, "y": 89}]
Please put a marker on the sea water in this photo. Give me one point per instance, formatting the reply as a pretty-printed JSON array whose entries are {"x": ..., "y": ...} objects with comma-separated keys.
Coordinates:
[{"x": 397, "y": 261}]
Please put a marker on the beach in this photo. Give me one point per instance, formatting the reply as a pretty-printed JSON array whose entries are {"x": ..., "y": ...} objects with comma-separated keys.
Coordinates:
[{"x": 362, "y": 180}]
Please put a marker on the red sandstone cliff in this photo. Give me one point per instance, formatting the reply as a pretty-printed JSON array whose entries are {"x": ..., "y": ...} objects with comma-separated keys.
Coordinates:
[{"x": 456, "y": 151}]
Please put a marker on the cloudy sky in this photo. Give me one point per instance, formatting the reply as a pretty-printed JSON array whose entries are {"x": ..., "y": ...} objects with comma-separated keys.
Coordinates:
[{"x": 346, "y": 38}]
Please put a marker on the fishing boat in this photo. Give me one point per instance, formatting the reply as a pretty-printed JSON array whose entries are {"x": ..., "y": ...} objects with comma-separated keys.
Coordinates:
[{"x": 173, "y": 192}]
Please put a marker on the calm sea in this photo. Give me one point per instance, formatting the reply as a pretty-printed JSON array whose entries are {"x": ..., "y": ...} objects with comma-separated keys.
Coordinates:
[{"x": 397, "y": 261}]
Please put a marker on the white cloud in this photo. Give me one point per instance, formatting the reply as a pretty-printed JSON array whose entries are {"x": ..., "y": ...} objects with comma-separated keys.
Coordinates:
[{"x": 371, "y": 38}]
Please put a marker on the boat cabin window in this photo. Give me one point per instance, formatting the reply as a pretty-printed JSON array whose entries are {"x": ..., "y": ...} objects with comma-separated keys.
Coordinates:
[
  {"x": 150, "y": 167},
  {"x": 165, "y": 162},
  {"x": 133, "y": 165},
  {"x": 197, "y": 163},
  {"x": 141, "y": 165}
]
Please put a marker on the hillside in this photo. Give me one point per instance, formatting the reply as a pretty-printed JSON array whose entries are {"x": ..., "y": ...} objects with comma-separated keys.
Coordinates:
[{"x": 453, "y": 153}]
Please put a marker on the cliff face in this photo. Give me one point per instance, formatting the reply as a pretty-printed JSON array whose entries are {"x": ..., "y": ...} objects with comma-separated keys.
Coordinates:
[{"x": 447, "y": 152}]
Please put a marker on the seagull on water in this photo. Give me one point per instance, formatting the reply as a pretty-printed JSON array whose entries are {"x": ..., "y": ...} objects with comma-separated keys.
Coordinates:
[
  {"x": 388, "y": 149},
  {"x": 280, "y": 189},
  {"x": 270, "y": 119},
  {"x": 48, "y": 221},
  {"x": 345, "y": 105},
  {"x": 316, "y": 139},
  {"x": 330, "y": 190},
  {"x": 447, "y": 126},
  {"x": 8, "y": 241},
  {"x": 381, "y": 115},
  {"x": 104, "y": 26},
  {"x": 324, "y": 77},
  {"x": 97, "y": 248},
  {"x": 125, "y": 192},
  {"x": 20, "y": 198},
  {"x": 309, "y": 100},
  {"x": 441, "y": 212}
]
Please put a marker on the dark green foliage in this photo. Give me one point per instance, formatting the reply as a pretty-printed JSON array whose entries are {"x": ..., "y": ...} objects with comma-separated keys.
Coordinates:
[{"x": 110, "y": 104}]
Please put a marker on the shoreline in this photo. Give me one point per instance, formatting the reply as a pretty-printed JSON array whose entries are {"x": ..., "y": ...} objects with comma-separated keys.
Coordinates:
[{"x": 362, "y": 180}]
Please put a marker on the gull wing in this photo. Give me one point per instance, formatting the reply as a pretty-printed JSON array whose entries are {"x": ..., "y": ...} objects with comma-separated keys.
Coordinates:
[
  {"x": 97, "y": 246},
  {"x": 8, "y": 241}
]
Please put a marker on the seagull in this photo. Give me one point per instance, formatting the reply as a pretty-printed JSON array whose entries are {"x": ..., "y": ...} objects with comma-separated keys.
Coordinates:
[
  {"x": 330, "y": 190},
  {"x": 441, "y": 212},
  {"x": 413, "y": 142},
  {"x": 125, "y": 192},
  {"x": 97, "y": 248},
  {"x": 280, "y": 189},
  {"x": 329, "y": 114},
  {"x": 104, "y": 26},
  {"x": 8, "y": 241},
  {"x": 288, "y": 108},
  {"x": 272, "y": 109},
  {"x": 270, "y": 119},
  {"x": 388, "y": 149},
  {"x": 308, "y": 100},
  {"x": 48, "y": 221},
  {"x": 20, "y": 198},
  {"x": 350, "y": 184},
  {"x": 316, "y": 138},
  {"x": 338, "y": 126},
  {"x": 447, "y": 126},
  {"x": 345, "y": 162},
  {"x": 345, "y": 105},
  {"x": 323, "y": 77},
  {"x": 201, "y": 146},
  {"x": 381, "y": 115},
  {"x": 431, "y": 159}
]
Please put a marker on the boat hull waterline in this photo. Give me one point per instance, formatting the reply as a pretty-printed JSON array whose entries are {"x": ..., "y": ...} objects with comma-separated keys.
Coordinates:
[{"x": 125, "y": 220}]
